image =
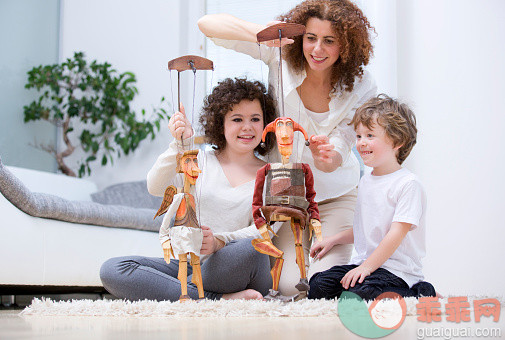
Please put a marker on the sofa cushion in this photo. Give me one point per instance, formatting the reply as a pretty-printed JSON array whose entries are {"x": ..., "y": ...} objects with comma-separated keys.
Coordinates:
[
  {"x": 130, "y": 194},
  {"x": 85, "y": 212}
]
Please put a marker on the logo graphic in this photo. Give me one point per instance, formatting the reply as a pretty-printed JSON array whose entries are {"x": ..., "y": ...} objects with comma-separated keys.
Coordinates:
[{"x": 384, "y": 316}]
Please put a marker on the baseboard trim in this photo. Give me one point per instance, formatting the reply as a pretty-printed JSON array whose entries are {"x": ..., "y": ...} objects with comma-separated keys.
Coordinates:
[{"x": 34, "y": 289}]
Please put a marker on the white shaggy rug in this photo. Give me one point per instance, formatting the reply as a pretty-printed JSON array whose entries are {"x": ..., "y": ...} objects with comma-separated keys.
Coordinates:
[{"x": 204, "y": 308}]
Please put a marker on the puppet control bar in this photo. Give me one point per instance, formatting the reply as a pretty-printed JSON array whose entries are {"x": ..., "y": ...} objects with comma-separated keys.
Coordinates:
[
  {"x": 279, "y": 31},
  {"x": 188, "y": 62}
]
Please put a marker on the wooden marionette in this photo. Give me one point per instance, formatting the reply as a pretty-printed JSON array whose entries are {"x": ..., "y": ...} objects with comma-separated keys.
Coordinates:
[
  {"x": 180, "y": 232},
  {"x": 289, "y": 194}
]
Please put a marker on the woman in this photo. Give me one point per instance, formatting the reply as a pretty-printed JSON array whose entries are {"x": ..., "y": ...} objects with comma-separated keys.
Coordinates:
[
  {"x": 233, "y": 118},
  {"x": 324, "y": 82}
]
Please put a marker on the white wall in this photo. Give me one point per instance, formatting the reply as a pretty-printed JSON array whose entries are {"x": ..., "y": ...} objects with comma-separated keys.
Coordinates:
[
  {"x": 384, "y": 63},
  {"x": 137, "y": 36},
  {"x": 450, "y": 69}
]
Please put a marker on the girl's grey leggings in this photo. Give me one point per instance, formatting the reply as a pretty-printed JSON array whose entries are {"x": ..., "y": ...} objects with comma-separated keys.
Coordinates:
[{"x": 235, "y": 267}]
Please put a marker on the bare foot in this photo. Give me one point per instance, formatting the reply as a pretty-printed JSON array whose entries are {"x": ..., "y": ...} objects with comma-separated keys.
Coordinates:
[{"x": 248, "y": 294}]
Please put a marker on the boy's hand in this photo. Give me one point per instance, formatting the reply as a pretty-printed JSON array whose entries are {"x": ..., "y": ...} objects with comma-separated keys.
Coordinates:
[
  {"x": 320, "y": 248},
  {"x": 357, "y": 274}
]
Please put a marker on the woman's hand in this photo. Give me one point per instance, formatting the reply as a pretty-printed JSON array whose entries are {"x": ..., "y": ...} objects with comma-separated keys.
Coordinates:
[
  {"x": 321, "y": 148},
  {"x": 210, "y": 244},
  {"x": 357, "y": 274},
  {"x": 325, "y": 157},
  {"x": 275, "y": 42},
  {"x": 179, "y": 125}
]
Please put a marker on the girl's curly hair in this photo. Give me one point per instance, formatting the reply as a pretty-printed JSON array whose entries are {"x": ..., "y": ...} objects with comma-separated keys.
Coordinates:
[
  {"x": 230, "y": 92},
  {"x": 352, "y": 31}
]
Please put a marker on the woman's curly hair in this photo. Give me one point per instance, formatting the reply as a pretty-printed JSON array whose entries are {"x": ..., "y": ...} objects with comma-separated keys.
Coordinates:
[
  {"x": 230, "y": 92},
  {"x": 352, "y": 31}
]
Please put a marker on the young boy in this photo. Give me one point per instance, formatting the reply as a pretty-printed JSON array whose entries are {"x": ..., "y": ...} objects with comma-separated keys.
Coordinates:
[{"x": 389, "y": 222}]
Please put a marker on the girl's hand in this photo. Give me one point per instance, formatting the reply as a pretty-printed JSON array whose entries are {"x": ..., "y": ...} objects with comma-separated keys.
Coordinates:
[
  {"x": 321, "y": 149},
  {"x": 179, "y": 125},
  {"x": 275, "y": 42},
  {"x": 357, "y": 274},
  {"x": 320, "y": 248},
  {"x": 210, "y": 244}
]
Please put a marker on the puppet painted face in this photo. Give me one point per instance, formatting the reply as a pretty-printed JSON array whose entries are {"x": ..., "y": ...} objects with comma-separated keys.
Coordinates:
[
  {"x": 189, "y": 166},
  {"x": 284, "y": 133}
]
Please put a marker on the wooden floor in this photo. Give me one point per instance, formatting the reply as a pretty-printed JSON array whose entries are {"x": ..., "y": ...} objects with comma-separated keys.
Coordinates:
[{"x": 13, "y": 326}]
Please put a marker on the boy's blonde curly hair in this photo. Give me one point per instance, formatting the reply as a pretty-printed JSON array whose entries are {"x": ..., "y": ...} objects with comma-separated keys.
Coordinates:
[{"x": 396, "y": 118}]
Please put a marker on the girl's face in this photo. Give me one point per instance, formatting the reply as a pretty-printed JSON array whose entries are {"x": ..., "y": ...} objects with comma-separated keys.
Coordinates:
[
  {"x": 320, "y": 45},
  {"x": 243, "y": 126}
]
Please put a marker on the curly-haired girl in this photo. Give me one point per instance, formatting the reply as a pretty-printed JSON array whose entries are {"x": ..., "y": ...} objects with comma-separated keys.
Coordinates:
[
  {"x": 233, "y": 119},
  {"x": 324, "y": 82}
]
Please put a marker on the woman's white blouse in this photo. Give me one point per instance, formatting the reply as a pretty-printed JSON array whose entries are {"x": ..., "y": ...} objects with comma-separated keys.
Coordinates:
[{"x": 343, "y": 105}]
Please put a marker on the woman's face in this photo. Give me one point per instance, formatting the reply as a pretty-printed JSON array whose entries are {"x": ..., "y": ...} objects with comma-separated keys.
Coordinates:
[
  {"x": 320, "y": 45},
  {"x": 243, "y": 126}
]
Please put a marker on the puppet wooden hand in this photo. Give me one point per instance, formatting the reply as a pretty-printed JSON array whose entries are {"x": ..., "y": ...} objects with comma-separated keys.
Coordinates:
[
  {"x": 167, "y": 250},
  {"x": 264, "y": 231},
  {"x": 315, "y": 226}
]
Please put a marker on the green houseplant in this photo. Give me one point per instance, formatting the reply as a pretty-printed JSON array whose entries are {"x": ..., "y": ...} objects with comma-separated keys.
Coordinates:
[{"x": 96, "y": 96}]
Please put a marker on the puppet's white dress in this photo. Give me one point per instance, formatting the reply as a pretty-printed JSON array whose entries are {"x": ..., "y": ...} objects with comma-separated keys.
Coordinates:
[{"x": 182, "y": 239}]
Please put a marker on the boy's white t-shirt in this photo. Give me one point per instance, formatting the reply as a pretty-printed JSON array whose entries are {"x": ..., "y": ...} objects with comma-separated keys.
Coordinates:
[{"x": 382, "y": 200}]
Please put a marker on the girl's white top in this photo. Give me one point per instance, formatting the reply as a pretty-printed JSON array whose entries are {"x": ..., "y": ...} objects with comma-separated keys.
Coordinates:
[{"x": 343, "y": 104}]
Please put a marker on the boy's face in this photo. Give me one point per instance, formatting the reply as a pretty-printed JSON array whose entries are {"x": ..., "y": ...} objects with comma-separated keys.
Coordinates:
[{"x": 376, "y": 149}]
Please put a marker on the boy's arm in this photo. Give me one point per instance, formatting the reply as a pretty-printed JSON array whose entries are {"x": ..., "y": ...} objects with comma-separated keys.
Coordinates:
[
  {"x": 386, "y": 248},
  {"x": 320, "y": 248}
]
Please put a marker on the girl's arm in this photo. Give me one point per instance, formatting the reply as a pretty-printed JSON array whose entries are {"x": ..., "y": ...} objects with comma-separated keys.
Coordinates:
[
  {"x": 163, "y": 173},
  {"x": 386, "y": 248}
]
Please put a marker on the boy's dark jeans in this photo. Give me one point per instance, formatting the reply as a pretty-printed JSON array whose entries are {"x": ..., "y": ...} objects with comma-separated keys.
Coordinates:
[{"x": 326, "y": 284}]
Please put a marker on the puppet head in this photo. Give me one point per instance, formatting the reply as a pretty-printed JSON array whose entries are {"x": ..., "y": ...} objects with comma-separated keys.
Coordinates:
[
  {"x": 187, "y": 163},
  {"x": 284, "y": 129}
]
